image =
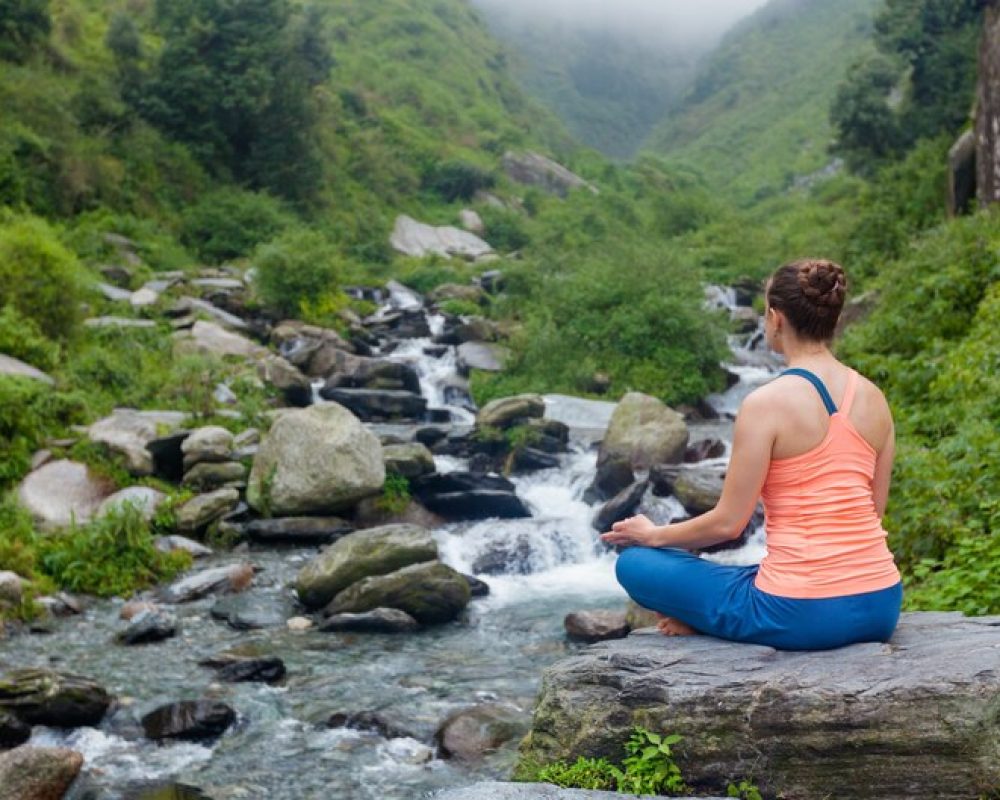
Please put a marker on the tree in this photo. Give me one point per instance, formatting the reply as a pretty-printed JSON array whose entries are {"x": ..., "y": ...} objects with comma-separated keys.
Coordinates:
[
  {"x": 24, "y": 24},
  {"x": 868, "y": 128}
]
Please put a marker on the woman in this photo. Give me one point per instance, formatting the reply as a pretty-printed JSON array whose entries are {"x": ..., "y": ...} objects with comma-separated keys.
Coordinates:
[{"x": 816, "y": 445}]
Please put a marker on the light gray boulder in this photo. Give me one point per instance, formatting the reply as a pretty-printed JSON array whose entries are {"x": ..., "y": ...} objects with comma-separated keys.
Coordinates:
[
  {"x": 13, "y": 366},
  {"x": 917, "y": 717},
  {"x": 534, "y": 169},
  {"x": 230, "y": 578},
  {"x": 118, "y": 322},
  {"x": 210, "y": 443},
  {"x": 645, "y": 431},
  {"x": 145, "y": 499},
  {"x": 699, "y": 489},
  {"x": 412, "y": 238},
  {"x": 127, "y": 432},
  {"x": 212, "y": 338},
  {"x": 313, "y": 461},
  {"x": 201, "y": 511},
  {"x": 485, "y": 356},
  {"x": 360, "y": 555},
  {"x": 409, "y": 460},
  {"x": 62, "y": 492},
  {"x": 169, "y": 544},
  {"x": 11, "y": 589},
  {"x": 507, "y": 411}
]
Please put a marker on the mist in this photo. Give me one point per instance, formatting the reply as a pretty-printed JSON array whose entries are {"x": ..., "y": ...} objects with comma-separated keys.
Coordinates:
[{"x": 696, "y": 24}]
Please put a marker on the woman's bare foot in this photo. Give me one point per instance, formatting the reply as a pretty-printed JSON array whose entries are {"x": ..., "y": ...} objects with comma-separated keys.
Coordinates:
[{"x": 669, "y": 626}]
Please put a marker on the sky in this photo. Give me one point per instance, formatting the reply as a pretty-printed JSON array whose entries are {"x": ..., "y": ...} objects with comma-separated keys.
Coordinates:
[{"x": 697, "y": 22}]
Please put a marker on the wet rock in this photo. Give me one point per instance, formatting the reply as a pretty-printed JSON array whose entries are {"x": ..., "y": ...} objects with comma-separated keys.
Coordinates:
[
  {"x": 645, "y": 431},
  {"x": 143, "y": 498},
  {"x": 494, "y": 790},
  {"x": 360, "y": 555},
  {"x": 61, "y": 604},
  {"x": 378, "y": 405},
  {"x": 210, "y": 443},
  {"x": 662, "y": 478},
  {"x": 231, "y": 578},
  {"x": 484, "y": 356},
  {"x": 296, "y": 387},
  {"x": 471, "y": 733},
  {"x": 315, "y": 461},
  {"x": 430, "y": 592},
  {"x": 189, "y": 720},
  {"x": 208, "y": 475},
  {"x": 511, "y": 555},
  {"x": 530, "y": 459},
  {"x": 596, "y": 626},
  {"x": 149, "y": 625},
  {"x": 703, "y": 449},
  {"x": 430, "y": 436},
  {"x": 252, "y": 670},
  {"x": 57, "y": 699},
  {"x": 477, "y": 588},
  {"x": 505, "y": 412},
  {"x": 244, "y": 612},
  {"x": 467, "y": 495},
  {"x": 396, "y": 325},
  {"x": 133, "y": 608},
  {"x": 621, "y": 506},
  {"x": 199, "y": 512},
  {"x": 378, "y": 620},
  {"x": 744, "y": 320},
  {"x": 169, "y": 544},
  {"x": 38, "y": 773},
  {"x": 373, "y": 721},
  {"x": 417, "y": 239},
  {"x": 13, "y": 732},
  {"x": 534, "y": 169},
  {"x": 409, "y": 460},
  {"x": 699, "y": 490},
  {"x": 356, "y": 372},
  {"x": 372, "y": 513},
  {"x": 128, "y": 432},
  {"x": 614, "y": 474},
  {"x": 807, "y": 724},
  {"x": 62, "y": 492},
  {"x": 297, "y": 530}
]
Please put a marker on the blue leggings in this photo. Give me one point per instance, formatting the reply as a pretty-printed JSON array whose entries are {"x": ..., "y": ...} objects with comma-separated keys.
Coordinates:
[{"x": 723, "y": 601}]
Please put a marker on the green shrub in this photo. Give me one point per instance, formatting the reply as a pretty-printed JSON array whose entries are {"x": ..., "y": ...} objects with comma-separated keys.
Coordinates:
[
  {"x": 39, "y": 276},
  {"x": 229, "y": 223},
  {"x": 505, "y": 230},
  {"x": 584, "y": 773},
  {"x": 461, "y": 308},
  {"x": 153, "y": 240},
  {"x": 21, "y": 338},
  {"x": 395, "y": 495},
  {"x": 298, "y": 266},
  {"x": 457, "y": 180}
]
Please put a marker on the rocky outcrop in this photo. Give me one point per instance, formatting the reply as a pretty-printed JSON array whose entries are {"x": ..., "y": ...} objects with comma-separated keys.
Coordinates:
[
  {"x": 412, "y": 238},
  {"x": 644, "y": 431},
  {"x": 63, "y": 492},
  {"x": 56, "y": 699},
  {"x": 128, "y": 432},
  {"x": 919, "y": 716},
  {"x": 38, "y": 773},
  {"x": 314, "y": 461},
  {"x": 360, "y": 555},
  {"x": 534, "y": 169},
  {"x": 17, "y": 368}
]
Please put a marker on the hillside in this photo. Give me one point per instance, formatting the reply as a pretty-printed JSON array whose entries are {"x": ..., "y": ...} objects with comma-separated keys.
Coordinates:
[{"x": 757, "y": 116}]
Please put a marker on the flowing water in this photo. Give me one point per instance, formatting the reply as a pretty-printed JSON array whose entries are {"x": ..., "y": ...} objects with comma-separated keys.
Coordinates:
[{"x": 280, "y": 747}]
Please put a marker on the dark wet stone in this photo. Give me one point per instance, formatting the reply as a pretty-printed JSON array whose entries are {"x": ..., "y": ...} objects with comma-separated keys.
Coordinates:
[
  {"x": 529, "y": 459},
  {"x": 613, "y": 475},
  {"x": 507, "y": 556},
  {"x": 477, "y": 588},
  {"x": 621, "y": 506},
  {"x": 378, "y": 620},
  {"x": 13, "y": 732},
  {"x": 467, "y": 495},
  {"x": 596, "y": 626},
  {"x": 373, "y": 721},
  {"x": 297, "y": 530},
  {"x": 375, "y": 405},
  {"x": 252, "y": 670},
  {"x": 57, "y": 699},
  {"x": 149, "y": 625},
  {"x": 705, "y": 448},
  {"x": 168, "y": 458},
  {"x": 189, "y": 719}
]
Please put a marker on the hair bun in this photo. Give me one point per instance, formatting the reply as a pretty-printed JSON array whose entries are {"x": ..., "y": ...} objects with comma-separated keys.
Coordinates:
[{"x": 824, "y": 284}]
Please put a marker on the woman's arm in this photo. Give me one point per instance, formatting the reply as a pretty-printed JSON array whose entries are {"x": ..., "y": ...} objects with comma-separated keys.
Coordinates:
[
  {"x": 753, "y": 438},
  {"x": 883, "y": 473}
]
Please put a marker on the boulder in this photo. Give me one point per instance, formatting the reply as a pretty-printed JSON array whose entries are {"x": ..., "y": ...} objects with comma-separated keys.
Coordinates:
[
  {"x": 128, "y": 432},
  {"x": 146, "y": 296},
  {"x": 169, "y": 544},
  {"x": 507, "y": 555},
  {"x": 619, "y": 507},
  {"x": 13, "y": 732},
  {"x": 144, "y": 498},
  {"x": 485, "y": 356},
  {"x": 372, "y": 512},
  {"x": 247, "y": 612},
  {"x": 211, "y": 475},
  {"x": 62, "y": 492},
  {"x": 11, "y": 589},
  {"x": 412, "y": 238},
  {"x": 644, "y": 431},
  {"x": 314, "y": 461},
  {"x": 38, "y": 773},
  {"x": 210, "y": 443},
  {"x": 378, "y": 620},
  {"x": 360, "y": 555},
  {"x": 201, "y": 511},
  {"x": 194, "y": 305},
  {"x": 250, "y": 670},
  {"x": 506, "y": 412},
  {"x": 471, "y": 221},
  {"x": 471, "y": 733},
  {"x": 149, "y": 625},
  {"x": 596, "y": 626},
  {"x": 915, "y": 717},
  {"x": 699, "y": 490},
  {"x": 189, "y": 720},
  {"x": 39, "y": 696},
  {"x": 638, "y": 617},
  {"x": 468, "y": 495},
  {"x": 378, "y": 405},
  {"x": 374, "y": 721},
  {"x": 296, "y": 387},
  {"x": 211, "y": 338},
  {"x": 614, "y": 474},
  {"x": 534, "y": 169},
  {"x": 358, "y": 372},
  {"x": 409, "y": 460},
  {"x": 430, "y": 592},
  {"x": 12, "y": 366},
  {"x": 297, "y": 530},
  {"x": 231, "y": 578},
  {"x": 703, "y": 449}
]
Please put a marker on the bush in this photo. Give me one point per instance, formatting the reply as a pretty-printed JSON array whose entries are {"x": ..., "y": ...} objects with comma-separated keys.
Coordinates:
[
  {"x": 21, "y": 338},
  {"x": 297, "y": 266},
  {"x": 230, "y": 223},
  {"x": 457, "y": 180},
  {"x": 505, "y": 230},
  {"x": 154, "y": 242},
  {"x": 39, "y": 277}
]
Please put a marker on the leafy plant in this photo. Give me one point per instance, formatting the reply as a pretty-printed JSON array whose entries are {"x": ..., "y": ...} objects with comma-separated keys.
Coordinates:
[
  {"x": 297, "y": 266},
  {"x": 395, "y": 495},
  {"x": 584, "y": 773},
  {"x": 229, "y": 223},
  {"x": 744, "y": 790}
]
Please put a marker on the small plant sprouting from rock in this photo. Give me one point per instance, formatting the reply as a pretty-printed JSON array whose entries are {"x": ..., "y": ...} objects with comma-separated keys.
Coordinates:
[
  {"x": 744, "y": 790},
  {"x": 395, "y": 495}
]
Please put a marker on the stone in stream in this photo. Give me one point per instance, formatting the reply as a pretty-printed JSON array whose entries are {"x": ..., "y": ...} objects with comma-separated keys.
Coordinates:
[
  {"x": 201, "y": 511},
  {"x": 357, "y": 372},
  {"x": 509, "y": 555},
  {"x": 866, "y": 721},
  {"x": 619, "y": 507},
  {"x": 38, "y": 773},
  {"x": 315, "y": 460},
  {"x": 252, "y": 670},
  {"x": 613, "y": 475},
  {"x": 377, "y": 405},
  {"x": 644, "y": 431},
  {"x": 505, "y": 412},
  {"x": 374, "y": 721},
  {"x": 431, "y": 593},
  {"x": 296, "y": 387},
  {"x": 189, "y": 720},
  {"x": 638, "y": 617},
  {"x": 378, "y": 620},
  {"x": 169, "y": 544},
  {"x": 596, "y": 626},
  {"x": 471, "y": 733},
  {"x": 128, "y": 432},
  {"x": 12, "y": 731},
  {"x": 530, "y": 459},
  {"x": 149, "y": 625},
  {"x": 704, "y": 448},
  {"x": 230, "y": 578},
  {"x": 467, "y": 495},
  {"x": 62, "y": 492},
  {"x": 409, "y": 460},
  {"x": 244, "y": 612},
  {"x": 40, "y": 696},
  {"x": 699, "y": 489},
  {"x": 297, "y": 530},
  {"x": 360, "y": 555},
  {"x": 477, "y": 588}
]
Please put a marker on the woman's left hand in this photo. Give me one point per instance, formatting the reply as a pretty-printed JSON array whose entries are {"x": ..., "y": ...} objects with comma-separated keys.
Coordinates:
[{"x": 638, "y": 531}]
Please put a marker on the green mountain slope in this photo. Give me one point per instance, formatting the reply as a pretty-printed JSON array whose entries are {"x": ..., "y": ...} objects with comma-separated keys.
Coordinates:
[{"x": 757, "y": 116}]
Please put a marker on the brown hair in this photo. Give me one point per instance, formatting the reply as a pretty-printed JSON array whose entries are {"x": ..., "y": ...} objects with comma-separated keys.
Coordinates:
[{"x": 810, "y": 293}]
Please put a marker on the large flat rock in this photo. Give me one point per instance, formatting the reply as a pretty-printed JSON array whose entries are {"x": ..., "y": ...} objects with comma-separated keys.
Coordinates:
[
  {"x": 917, "y": 717},
  {"x": 494, "y": 790}
]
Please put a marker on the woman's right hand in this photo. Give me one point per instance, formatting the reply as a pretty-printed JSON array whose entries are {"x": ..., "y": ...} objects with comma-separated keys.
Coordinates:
[{"x": 638, "y": 531}]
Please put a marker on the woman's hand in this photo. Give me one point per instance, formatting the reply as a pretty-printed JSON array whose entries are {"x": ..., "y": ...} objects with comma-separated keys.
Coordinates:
[{"x": 638, "y": 531}]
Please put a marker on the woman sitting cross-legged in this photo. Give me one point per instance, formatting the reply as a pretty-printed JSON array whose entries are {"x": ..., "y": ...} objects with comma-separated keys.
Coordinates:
[{"x": 816, "y": 445}]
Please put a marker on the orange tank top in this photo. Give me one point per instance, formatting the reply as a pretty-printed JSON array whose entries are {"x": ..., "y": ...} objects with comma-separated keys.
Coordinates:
[{"x": 824, "y": 538}]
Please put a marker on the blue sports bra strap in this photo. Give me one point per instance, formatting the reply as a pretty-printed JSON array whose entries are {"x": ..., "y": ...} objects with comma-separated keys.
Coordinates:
[{"x": 815, "y": 381}]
